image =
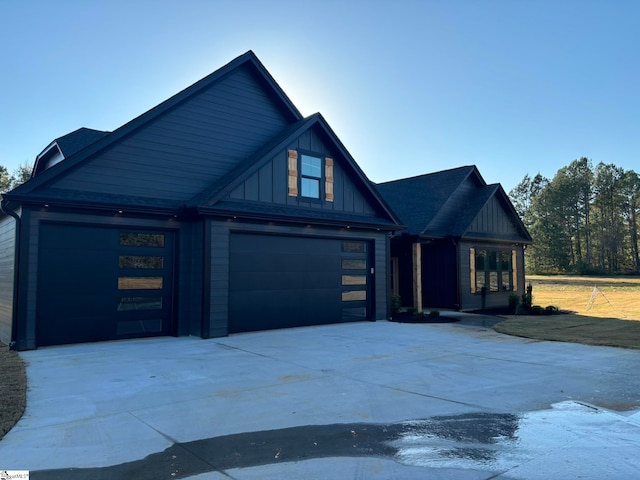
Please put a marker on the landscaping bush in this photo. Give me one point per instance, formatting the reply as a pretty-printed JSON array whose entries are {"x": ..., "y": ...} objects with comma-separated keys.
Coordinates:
[
  {"x": 434, "y": 314},
  {"x": 514, "y": 302}
]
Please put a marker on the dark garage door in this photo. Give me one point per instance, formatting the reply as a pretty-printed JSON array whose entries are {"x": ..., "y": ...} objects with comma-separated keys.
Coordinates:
[
  {"x": 278, "y": 281},
  {"x": 103, "y": 284}
]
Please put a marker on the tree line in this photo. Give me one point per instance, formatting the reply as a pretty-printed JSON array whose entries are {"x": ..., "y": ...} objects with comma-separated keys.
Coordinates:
[
  {"x": 9, "y": 181},
  {"x": 584, "y": 220}
]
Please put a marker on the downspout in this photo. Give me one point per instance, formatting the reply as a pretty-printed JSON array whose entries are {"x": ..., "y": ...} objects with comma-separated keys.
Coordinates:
[{"x": 16, "y": 273}]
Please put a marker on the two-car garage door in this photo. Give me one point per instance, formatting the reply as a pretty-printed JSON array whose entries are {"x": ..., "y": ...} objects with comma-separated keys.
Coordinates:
[{"x": 279, "y": 281}]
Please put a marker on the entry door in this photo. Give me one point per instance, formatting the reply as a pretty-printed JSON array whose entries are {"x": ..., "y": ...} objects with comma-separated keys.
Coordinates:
[{"x": 103, "y": 283}]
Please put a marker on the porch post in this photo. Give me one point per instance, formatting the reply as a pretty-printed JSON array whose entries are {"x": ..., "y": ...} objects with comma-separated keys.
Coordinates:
[{"x": 417, "y": 276}]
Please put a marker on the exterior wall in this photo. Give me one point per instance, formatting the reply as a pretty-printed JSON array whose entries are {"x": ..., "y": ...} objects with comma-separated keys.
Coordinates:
[
  {"x": 186, "y": 149},
  {"x": 269, "y": 184},
  {"x": 8, "y": 232},
  {"x": 217, "y": 287},
  {"x": 471, "y": 301},
  {"x": 187, "y": 292}
]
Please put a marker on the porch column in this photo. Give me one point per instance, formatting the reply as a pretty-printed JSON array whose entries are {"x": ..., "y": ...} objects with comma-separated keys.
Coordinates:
[{"x": 417, "y": 276}]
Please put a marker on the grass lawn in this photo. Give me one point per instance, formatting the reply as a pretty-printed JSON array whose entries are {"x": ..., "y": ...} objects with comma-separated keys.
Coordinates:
[
  {"x": 603, "y": 311},
  {"x": 13, "y": 389}
]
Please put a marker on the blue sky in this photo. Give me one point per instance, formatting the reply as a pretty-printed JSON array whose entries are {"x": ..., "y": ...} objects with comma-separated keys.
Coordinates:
[{"x": 409, "y": 86}]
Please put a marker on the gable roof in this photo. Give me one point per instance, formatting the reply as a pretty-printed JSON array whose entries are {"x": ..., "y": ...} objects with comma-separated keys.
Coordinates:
[
  {"x": 211, "y": 198},
  {"x": 77, "y": 150},
  {"x": 248, "y": 59},
  {"x": 417, "y": 200},
  {"x": 446, "y": 203}
]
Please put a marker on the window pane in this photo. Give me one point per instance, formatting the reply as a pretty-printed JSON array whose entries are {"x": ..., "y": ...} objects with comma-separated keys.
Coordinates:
[
  {"x": 354, "y": 295},
  {"x": 354, "y": 247},
  {"x": 140, "y": 261},
  {"x": 505, "y": 260},
  {"x": 492, "y": 260},
  {"x": 310, "y": 187},
  {"x": 479, "y": 281},
  {"x": 139, "y": 303},
  {"x": 354, "y": 279},
  {"x": 506, "y": 277},
  {"x": 311, "y": 166},
  {"x": 480, "y": 260},
  {"x": 354, "y": 264},
  {"x": 493, "y": 281},
  {"x": 142, "y": 239},
  {"x": 139, "y": 283}
]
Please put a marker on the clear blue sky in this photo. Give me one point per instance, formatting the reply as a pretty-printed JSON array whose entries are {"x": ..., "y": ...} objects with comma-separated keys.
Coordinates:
[{"x": 409, "y": 86}]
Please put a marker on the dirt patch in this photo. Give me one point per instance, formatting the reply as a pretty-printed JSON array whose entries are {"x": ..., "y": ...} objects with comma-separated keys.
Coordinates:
[{"x": 13, "y": 389}]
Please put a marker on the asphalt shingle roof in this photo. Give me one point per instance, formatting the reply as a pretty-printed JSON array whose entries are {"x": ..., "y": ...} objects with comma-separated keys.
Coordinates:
[{"x": 418, "y": 200}]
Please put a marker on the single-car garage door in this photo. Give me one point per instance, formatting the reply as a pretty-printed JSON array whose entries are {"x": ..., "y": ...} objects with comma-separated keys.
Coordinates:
[
  {"x": 278, "y": 281},
  {"x": 103, "y": 283}
]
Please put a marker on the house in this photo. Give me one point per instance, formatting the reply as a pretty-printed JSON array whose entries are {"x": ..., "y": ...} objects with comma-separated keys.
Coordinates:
[
  {"x": 220, "y": 210},
  {"x": 464, "y": 244}
]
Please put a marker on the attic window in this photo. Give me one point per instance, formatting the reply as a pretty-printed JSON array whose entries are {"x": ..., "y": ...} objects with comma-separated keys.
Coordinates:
[{"x": 310, "y": 176}]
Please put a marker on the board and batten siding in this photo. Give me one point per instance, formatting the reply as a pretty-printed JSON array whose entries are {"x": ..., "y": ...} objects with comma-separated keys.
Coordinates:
[
  {"x": 219, "y": 233},
  {"x": 471, "y": 301},
  {"x": 269, "y": 183},
  {"x": 8, "y": 232},
  {"x": 493, "y": 219},
  {"x": 184, "y": 150}
]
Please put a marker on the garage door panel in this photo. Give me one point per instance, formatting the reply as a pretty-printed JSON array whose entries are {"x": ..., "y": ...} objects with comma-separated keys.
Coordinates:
[
  {"x": 85, "y": 295},
  {"x": 278, "y": 282}
]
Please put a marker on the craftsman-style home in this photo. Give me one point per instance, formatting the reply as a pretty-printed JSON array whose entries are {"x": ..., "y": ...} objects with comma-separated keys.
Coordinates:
[{"x": 220, "y": 210}]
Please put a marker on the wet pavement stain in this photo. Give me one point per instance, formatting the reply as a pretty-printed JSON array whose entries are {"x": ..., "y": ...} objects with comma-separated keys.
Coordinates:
[{"x": 471, "y": 437}]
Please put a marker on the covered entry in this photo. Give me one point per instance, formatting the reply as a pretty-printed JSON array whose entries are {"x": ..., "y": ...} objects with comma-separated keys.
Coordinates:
[
  {"x": 280, "y": 281},
  {"x": 98, "y": 283}
]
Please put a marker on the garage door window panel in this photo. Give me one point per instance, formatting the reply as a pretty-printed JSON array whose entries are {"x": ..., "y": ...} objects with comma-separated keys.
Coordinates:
[
  {"x": 127, "y": 304},
  {"x": 131, "y": 239},
  {"x": 140, "y": 261},
  {"x": 140, "y": 283}
]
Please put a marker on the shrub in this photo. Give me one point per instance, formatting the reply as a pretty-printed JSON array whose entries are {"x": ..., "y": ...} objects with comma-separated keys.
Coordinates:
[
  {"x": 419, "y": 316},
  {"x": 551, "y": 309},
  {"x": 434, "y": 314},
  {"x": 396, "y": 304},
  {"x": 527, "y": 297},
  {"x": 514, "y": 302},
  {"x": 537, "y": 310}
]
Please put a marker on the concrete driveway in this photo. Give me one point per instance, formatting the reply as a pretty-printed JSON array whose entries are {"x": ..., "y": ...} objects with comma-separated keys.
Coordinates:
[{"x": 363, "y": 400}]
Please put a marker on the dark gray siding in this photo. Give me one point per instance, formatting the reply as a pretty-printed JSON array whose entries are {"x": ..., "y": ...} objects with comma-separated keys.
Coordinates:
[
  {"x": 468, "y": 300},
  {"x": 183, "y": 151},
  {"x": 218, "y": 262},
  {"x": 7, "y": 271},
  {"x": 493, "y": 219},
  {"x": 269, "y": 184}
]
